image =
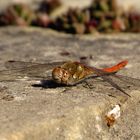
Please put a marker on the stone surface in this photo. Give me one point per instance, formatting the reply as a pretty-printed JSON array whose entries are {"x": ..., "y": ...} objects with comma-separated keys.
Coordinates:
[{"x": 30, "y": 112}]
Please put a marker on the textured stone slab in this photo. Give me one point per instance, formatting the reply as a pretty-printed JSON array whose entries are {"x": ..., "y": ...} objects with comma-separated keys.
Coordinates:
[{"x": 30, "y": 112}]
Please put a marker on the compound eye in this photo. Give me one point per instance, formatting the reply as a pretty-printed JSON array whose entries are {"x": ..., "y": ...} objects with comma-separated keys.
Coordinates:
[
  {"x": 57, "y": 74},
  {"x": 66, "y": 76}
]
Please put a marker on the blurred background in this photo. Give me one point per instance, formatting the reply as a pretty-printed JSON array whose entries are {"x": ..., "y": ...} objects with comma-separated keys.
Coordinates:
[
  {"x": 75, "y": 16},
  {"x": 80, "y": 3}
]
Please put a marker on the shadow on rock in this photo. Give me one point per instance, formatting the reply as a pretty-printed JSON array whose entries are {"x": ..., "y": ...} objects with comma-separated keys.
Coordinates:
[{"x": 47, "y": 84}]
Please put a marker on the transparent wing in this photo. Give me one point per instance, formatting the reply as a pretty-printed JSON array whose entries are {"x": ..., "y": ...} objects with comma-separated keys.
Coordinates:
[
  {"x": 18, "y": 70},
  {"x": 116, "y": 80},
  {"x": 111, "y": 82},
  {"x": 127, "y": 80},
  {"x": 111, "y": 78},
  {"x": 21, "y": 65},
  {"x": 18, "y": 64}
]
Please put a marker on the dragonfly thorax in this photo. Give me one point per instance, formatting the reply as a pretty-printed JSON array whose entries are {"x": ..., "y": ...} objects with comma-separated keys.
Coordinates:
[{"x": 69, "y": 73}]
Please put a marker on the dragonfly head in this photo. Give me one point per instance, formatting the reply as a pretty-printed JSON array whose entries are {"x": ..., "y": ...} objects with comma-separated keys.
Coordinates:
[{"x": 60, "y": 75}]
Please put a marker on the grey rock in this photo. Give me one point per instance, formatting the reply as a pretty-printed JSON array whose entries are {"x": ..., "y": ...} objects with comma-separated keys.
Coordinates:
[{"x": 29, "y": 112}]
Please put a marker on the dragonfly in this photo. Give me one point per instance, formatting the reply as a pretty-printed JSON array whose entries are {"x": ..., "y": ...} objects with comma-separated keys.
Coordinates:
[{"x": 67, "y": 73}]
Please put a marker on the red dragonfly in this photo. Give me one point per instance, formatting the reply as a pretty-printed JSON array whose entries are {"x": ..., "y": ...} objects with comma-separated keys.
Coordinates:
[{"x": 65, "y": 73}]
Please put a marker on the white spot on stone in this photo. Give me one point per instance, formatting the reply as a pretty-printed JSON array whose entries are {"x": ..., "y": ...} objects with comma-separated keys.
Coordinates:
[
  {"x": 18, "y": 98},
  {"x": 115, "y": 111},
  {"x": 57, "y": 128},
  {"x": 23, "y": 78},
  {"x": 97, "y": 118},
  {"x": 98, "y": 127}
]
